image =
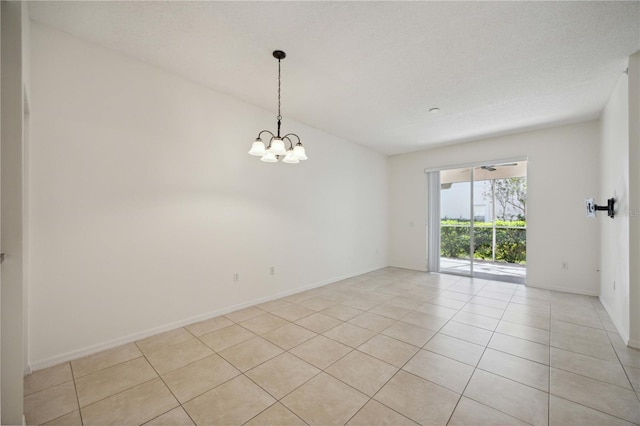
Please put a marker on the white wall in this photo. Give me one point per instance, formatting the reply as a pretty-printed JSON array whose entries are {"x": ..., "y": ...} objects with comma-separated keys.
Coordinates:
[
  {"x": 620, "y": 156},
  {"x": 26, "y": 82},
  {"x": 144, "y": 202},
  {"x": 614, "y": 182},
  {"x": 562, "y": 171},
  {"x": 11, "y": 214}
]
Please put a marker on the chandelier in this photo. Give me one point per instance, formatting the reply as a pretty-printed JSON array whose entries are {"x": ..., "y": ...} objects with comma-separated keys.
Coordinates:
[{"x": 277, "y": 144}]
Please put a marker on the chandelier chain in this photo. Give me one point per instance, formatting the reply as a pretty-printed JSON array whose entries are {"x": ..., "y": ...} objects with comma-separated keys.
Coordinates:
[{"x": 279, "y": 115}]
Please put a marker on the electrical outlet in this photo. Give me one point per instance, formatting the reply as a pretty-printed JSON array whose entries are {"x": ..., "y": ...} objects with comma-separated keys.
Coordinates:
[
  {"x": 272, "y": 270},
  {"x": 236, "y": 277},
  {"x": 565, "y": 265}
]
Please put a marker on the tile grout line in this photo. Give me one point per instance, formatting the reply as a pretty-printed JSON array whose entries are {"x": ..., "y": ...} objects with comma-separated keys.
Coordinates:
[
  {"x": 623, "y": 369},
  {"x": 549, "y": 359},
  {"x": 372, "y": 397},
  {"x": 340, "y": 358},
  {"x": 593, "y": 379},
  {"x": 399, "y": 369},
  {"x": 589, "y": 356},
  {"x": 164, "y": 383},
  {"x": 118, "y": 392},
  {"x": 591, "y": 408},
  {"x": 279, "y": 400},
  {"x": 476, "y": 369},
  {"x": 395, "y": 374},
  {"x": 444, "y": 325},
  {"x": 575, "y": 402},
  {"x": 73, "y": 378},
  {"x": 75, "y": 388}
]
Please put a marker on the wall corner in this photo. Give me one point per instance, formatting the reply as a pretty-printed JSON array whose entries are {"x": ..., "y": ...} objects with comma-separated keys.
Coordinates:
[{"x": 634, "y": 198}]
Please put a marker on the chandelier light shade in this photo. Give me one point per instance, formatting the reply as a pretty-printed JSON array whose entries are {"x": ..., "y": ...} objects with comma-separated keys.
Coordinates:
[{"x": 277, "y": 146}]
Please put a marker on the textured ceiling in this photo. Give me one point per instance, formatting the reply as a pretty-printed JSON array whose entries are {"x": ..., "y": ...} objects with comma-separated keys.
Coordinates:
[{"x": 370, "y": 71}]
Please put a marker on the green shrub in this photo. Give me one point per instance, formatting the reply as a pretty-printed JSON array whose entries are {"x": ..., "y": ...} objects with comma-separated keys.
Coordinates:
[
  {"x": 511, "y": 245},
  {"x": 511, "y": 241},
  {"x": 482, "y": 238},
  {"x": 454, "y": 240}
]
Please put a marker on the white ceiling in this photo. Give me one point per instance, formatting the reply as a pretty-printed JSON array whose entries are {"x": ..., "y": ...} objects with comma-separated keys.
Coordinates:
[{"x": 370, "y": 71}]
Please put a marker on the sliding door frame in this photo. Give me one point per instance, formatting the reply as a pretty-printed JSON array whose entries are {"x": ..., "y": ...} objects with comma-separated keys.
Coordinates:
[
  {"x": 472, "y": 237},
  {"x": 433, "y": 221}
]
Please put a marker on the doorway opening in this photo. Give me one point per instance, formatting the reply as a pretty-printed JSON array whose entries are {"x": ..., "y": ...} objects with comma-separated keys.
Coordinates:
[{"x": 482, "y": 221}]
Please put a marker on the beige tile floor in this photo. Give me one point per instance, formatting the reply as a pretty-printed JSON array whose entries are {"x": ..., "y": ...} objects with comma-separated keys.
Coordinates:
[{"x": 390, "y": 347}]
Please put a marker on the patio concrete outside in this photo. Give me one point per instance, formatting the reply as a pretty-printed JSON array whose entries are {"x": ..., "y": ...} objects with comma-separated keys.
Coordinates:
[{"x": 500, "y": 269}]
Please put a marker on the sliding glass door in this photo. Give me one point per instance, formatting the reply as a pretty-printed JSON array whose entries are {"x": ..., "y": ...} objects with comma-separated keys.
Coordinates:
[{"x": 482, "y": 215}]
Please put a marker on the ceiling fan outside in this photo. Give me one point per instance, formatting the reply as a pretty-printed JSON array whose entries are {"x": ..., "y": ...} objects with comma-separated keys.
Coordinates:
[{"x": 492, "y": 167}]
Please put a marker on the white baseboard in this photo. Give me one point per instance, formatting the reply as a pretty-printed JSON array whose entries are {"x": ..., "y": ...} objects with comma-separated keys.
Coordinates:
[
  {"x": 635, "y": 344},
  {"x": 565, "y": 289},
  {"x": 572, "y": 290},
  {"x": 421, "y": 268},
  {"x": 90, "y": 350}
]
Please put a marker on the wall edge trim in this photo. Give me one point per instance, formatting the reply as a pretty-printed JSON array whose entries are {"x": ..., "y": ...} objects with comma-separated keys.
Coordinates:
[
  {"x": 422, "y": 268},
  {"x": 565, "y": 289},
  {"x": 635, "y": 344}
]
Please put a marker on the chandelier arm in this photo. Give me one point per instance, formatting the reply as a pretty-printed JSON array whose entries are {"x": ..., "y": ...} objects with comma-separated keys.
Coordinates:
[
  {"x": 293, "y": 134},
  {"x": 287, "y": 138},
  {"x": 266, "y": 131}
]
